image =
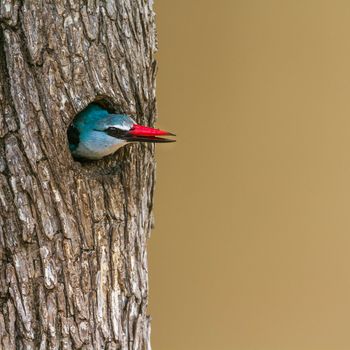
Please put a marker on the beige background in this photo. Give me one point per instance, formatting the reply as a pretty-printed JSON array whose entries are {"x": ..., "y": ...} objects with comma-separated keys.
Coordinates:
[{"x": 251, "y": 249}]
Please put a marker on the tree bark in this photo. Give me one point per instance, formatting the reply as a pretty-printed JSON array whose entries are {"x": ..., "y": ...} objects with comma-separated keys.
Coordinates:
[{"x": 73, "y": 271}]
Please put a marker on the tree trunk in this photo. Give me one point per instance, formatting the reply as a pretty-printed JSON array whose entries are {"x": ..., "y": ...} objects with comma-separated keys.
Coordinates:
[{"x": 73, "y": 236}]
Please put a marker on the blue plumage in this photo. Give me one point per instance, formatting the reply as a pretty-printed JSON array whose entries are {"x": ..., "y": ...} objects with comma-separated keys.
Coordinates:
[
  {"x": 96, "y": 133},
  {"x": 88, "y": 135}
]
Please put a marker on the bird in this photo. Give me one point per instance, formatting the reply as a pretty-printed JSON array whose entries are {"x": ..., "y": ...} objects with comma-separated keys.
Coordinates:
[{"x": 96, "y": 133}]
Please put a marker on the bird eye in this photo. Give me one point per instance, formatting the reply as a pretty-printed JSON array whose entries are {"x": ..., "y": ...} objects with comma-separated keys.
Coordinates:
[{"x": 115, "y": 132}]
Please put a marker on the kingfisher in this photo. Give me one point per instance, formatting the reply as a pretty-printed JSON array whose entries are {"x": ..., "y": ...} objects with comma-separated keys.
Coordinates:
[{"x": 96, "y": 133}]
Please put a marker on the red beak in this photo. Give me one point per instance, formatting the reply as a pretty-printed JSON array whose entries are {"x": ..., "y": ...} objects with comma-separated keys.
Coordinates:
[{"x": 147, "y": 134}]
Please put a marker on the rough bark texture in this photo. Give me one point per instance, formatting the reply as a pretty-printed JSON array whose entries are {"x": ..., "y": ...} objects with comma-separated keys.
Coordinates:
[{"x": 73, "y": 271}]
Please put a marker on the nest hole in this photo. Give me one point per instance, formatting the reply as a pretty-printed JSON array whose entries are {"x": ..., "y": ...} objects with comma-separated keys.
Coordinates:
[{"x": 109, "y": 165}]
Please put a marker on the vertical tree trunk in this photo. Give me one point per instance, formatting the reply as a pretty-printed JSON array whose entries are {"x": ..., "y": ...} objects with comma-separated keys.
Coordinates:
[{"x": 73, "y": 271}]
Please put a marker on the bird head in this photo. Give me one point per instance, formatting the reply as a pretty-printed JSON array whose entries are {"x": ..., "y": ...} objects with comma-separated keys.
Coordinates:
[{"x": 96, "y": 133}]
